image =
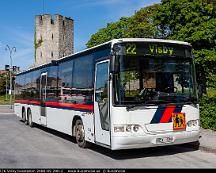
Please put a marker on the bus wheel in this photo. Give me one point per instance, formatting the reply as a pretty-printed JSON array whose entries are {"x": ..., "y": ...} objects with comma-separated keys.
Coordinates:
[
  {"x": 23, "y": 115},
  {"x": 30, "y": 122},
  {"x": 80, "y": 134},
  {"x": 195, "y": 145}
]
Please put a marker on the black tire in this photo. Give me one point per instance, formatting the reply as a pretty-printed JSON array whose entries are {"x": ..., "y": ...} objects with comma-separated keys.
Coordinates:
[
  {"x": 24, "y": 116},
  {"x": 80, "y": 134},
  {"x": 30, "y": 122},
  {"x": 195, "y": 145}
]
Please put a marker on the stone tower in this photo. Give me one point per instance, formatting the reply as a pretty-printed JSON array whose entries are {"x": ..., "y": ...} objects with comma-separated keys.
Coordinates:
[{"x": 54, "y": 38}]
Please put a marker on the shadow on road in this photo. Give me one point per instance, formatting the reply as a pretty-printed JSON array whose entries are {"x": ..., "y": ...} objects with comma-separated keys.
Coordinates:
[
  {"x": 143, "y": 152},
  {"x": 125, "y": 154}
]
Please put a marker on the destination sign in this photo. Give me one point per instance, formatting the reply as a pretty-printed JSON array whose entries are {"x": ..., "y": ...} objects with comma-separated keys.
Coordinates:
[{"x": 157, "y": 49}]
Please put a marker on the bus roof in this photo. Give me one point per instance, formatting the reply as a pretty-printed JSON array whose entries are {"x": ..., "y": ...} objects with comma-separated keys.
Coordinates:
[
  {"x": 112, "y": 42},
  {"x": 149, "y": 40}
]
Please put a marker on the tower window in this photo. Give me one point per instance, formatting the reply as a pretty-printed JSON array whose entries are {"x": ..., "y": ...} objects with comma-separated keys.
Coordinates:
[
  {"x": 63, "y": 23},
  {"x": 52, "y": 54},
  {"x": 41, "y": 55},
  {"x": 52, "y": 19},
  {"x": 52, "y": 36}
]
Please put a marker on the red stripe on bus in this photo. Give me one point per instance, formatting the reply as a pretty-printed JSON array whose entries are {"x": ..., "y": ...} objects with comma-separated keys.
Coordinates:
[
  {"x": 69, "y": 105},
  {"x": 28, "y": 102},
  {"x": 167, "y": 114},
  {"x": 57, "y": 104}
]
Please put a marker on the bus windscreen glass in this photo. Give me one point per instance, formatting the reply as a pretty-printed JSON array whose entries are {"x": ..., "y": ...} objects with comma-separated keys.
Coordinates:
[{"x": 153, "y": 79}]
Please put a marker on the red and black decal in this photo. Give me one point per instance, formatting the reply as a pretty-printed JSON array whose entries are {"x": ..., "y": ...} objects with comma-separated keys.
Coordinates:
[
  {"x": 59, "y": 105},
  {"x": 29, "y": 102},
  {"x": 163, "y": 113},
  {"x": 78, "y": 107}
]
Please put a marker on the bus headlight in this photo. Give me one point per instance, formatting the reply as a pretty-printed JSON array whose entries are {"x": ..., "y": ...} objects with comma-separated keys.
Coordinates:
[
  {"x": 192, "y": 123},
  {"x": 136, "y": 128},
  {"x": 127, "y": 128}
]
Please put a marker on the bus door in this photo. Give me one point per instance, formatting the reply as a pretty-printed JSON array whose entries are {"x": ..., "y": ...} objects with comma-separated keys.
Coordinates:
[
  {"x": 43, "y": 84},
  {"x": 101, "y": 103}
]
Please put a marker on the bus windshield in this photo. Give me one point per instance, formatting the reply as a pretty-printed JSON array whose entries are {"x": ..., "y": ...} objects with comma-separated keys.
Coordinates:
[{"x": 154, "y": 80}]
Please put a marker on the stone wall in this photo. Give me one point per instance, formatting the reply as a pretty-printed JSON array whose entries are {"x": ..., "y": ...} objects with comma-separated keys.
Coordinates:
[{"x": 54, "y": 38}]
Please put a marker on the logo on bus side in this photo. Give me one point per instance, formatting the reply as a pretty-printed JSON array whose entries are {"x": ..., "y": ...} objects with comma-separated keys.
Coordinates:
[{"x": 155, "y": 49}]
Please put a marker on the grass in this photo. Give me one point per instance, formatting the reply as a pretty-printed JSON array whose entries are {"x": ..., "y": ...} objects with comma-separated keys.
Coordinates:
[{"x": 3, "y": 100}]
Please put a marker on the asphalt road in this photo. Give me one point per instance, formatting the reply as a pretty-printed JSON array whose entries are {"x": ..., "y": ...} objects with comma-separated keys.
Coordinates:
[{"x": 39, "y": 147}]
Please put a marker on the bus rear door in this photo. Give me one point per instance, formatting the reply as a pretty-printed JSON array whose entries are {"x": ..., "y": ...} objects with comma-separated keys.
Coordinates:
[{"x": 43, "y": 84}]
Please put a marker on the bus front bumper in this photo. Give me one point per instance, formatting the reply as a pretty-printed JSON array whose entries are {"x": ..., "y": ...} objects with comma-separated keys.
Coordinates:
[{"x": 130, "y": 142}]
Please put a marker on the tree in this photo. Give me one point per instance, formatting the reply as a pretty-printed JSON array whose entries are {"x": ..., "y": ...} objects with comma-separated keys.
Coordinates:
[
  {"x": 139, "y": 25},
  {"x": 193, "y": 21},
  {"x": 3, "y": 83},
  {"x": 112, "y": 31}
]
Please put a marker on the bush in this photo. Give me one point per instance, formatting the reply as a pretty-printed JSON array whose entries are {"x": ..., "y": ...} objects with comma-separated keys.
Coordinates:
[{"x": 208, "y": 112}]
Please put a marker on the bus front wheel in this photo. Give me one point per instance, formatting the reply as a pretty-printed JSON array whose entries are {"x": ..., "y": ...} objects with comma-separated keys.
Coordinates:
[{"x": 80, "y": 134}]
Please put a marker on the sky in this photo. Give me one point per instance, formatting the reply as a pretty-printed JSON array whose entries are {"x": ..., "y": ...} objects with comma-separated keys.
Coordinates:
[{"x": 17, "y": 22}]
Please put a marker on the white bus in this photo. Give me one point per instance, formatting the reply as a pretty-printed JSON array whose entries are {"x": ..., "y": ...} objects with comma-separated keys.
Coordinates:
[{"x": 123, "y": 94}]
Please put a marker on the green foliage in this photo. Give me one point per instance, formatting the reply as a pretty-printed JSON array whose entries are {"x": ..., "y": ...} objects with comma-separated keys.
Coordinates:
[
  {"x": 205, "y": 60},
  {"x": 211, "y": 92},
  {"x": 208, "y": 113},
  {"x": 3, "y": 100},
  {"x": 193, "y": 21},
  {"x": 141, "y": 24},
  {"x": 137, "y": 26},
  {"x": 112, "y": 31},
  {"x": 3, "y": 83},
  {"x": 38, "y": 43}
]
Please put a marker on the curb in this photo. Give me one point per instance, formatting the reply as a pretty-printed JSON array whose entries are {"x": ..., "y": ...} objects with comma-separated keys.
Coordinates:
[
  {"x": 207, "y": 149},
  {"x": 199, "y": 146}
]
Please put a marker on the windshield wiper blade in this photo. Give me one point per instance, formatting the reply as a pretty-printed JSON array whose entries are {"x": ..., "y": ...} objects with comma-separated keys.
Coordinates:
[
  {"x": 190, "y": 99},
  {"x": 147, "y": 103},
  {"x": 137, "y": 105}
]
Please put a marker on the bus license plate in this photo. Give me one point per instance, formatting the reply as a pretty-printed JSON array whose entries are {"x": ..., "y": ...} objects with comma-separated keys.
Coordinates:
[
  {"x": 165, "y": 140},
  {"x": 179, "y": 122}
]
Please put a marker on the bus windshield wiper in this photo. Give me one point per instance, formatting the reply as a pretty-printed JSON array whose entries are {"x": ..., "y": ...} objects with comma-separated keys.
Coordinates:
[
  {"x": 147, "y": 103},
  {"x": 128, "y": 108},
  {"x": 190, "y": 99}
]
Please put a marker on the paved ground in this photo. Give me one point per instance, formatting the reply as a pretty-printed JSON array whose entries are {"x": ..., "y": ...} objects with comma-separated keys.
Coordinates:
[
  {"x": 208, "y": 140},
  {"x": 25, "y": 147},
  {"x": 6, "y": 109}
]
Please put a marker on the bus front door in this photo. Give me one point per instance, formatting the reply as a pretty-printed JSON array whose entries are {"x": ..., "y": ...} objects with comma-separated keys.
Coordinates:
[
  {"x": 43, "y": 84},
  {"x": 101, "y": 103}
]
